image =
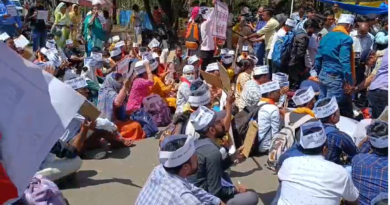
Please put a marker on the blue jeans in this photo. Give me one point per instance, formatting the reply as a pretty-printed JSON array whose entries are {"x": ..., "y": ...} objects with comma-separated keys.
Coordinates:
[
  {"x": 39, "y": 39},
  {"x": 9, "y": 29},
  {"x": 259, "y": 49},
  {"x": 333, "y": 85}
]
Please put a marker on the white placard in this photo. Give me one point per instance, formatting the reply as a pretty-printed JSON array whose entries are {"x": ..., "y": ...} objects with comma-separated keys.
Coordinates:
[
  {"x": 154, "y": 43},
  {"x": 42, "y": 15},
  {"x": 77, "y": 83},
  {"x": 43, "y": 104},
  {"x": 4, "y": 36},
  {"x": 147, "y": 56},
  {"x": 21, "y": 42},
  {"x": 101, "y": 19},
  {"x": 11, "y": 10},
  {"x": 123, "y": 66},
  {"x": 220, "y": 21}
]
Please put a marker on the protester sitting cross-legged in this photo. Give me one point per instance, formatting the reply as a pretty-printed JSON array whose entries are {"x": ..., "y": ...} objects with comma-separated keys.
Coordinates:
[
  {"x": 268, "y": 115},
  {"x": 112, "y": 102},
  {"x": 370, "y": 170},
  {"x": 339, "y": 143},
  {"x": 213, "y": 159},
  {"x": 183, "y": 92},
  {"x": 216, "y": 93},
  {"x": 168, "y": 184},
  {"x": 227, "y": 62},
  {"x": 310, "y": 179},
  {"x": 251, "y": 94}
]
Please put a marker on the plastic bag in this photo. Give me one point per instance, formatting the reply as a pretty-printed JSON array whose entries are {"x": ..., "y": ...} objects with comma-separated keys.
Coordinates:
[{"x": 146, "y": 121}]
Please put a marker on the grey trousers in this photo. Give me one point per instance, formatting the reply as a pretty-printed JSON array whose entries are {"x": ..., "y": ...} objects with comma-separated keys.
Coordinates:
[{"x": 247, "y": 198}]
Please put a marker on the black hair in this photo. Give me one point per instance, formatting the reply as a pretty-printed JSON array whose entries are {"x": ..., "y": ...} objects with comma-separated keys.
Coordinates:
[
  {"x": 106, "y": 14},
  {"x": 135, "y": 8},
  {"x": 116, "y": 58},
  {"x": 379, "y": 129},
  {"x": 226, "y": 65},
  {"x": 198, "y": 19},
  {"x": 311, "y": 23},
  {"x": 155, "y": 7},
  {"x": 302, "y": 7},
  {"x": 258, "y": 77},
  {"x": 269, "y": 11},
  {"x": 310, "y": 10},
  {"x": 96, "y": 49},
  {"x": 202, "y": 4},
  {"x": 50, "y": 36},
  {"x": 245, "y": 63},
  {"x": 323, "y": 103},
  {"x": 361, "y": 19},
  {"x": 328, "y": 13},
  {"x": 178, "y": 46},
  {"x": 195, "y": 3},
  {"x": 171, "y": 147}
]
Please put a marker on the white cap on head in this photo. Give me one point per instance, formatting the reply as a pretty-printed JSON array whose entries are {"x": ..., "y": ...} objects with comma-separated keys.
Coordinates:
[
  {"x": 180, "y": 156},
  {"x": 119, "y": 44},
  {"x": 188, "y": 69},
  {"x": 224, "y": 51},
  {"x": 203, "y": 118},
  {"x": 90, "y": 62},
  {"x": 261, "y": 70},
  {"x": 291, "y": 23},
  {"x": 346, "y": 19},
  {"x": 231, "y": 52},
  {"x": 303, "y": 98},
  {"x": 155, "y": 55},
  {"x": 139, "y": 67},
  {"x": 97, "y": 56},
  {"x": 115, "y": 52},
  {"x": 313, "y": 73},
  {"x": 245, "y": 48},
  {"x": 312, "y": 135},
  {"x": 77, "y": 83},
  {"x": 212, "y": 67},
  {"x": 153, "y": 64},
  {"x": 44, "y": 51},
  {"x": 269, "y": 87},
  {"x": 54, "y": 59},
  {"x": 280, "y": 77},
  {"x": 193, "y": 59},
  {"x": 50, "y": 44},
  {"x": 326, "y": 110},
  {"x": 69, "y": 42},
  {"x": 115, "y": 39},
  {"x": 227, "y": 59},
  {"x": 135, "y": 45}
]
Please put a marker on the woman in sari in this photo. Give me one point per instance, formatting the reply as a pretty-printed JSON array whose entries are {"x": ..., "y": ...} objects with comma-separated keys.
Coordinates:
[
  {"x": 112, "y": 102},
  {"x": 75, "y": 18},
  {"x": 61, "y": 25},
  {"x": 244, "y": 76},
  {"x": 94, "y": 33}
]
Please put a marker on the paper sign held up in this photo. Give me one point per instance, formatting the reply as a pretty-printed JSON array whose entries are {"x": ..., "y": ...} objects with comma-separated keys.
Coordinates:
[
  {"x": 171, "y": 56},
  {"x": 42, "y": 15},
  {"x": 250, "y": 138},
  {"x": 211, "y": 79},
  {"x": 224, "y": 78},
  {"x": 123, "y": 66}
]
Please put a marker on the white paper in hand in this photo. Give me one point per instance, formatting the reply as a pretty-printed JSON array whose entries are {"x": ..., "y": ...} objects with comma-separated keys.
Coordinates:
[
  {"x": 21, "y": 42},
  {"x": 11, "y": 10},
  {"x": 101, "y": 19},
  {"x": 123, "y": 66},
  {"x": 42, "y": 15},
  {"x": 154, "y": 43},
  {"x": 4, "y": 36}
]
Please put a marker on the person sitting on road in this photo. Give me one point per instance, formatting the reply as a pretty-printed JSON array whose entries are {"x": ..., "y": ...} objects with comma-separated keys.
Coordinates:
[
  {"x": 168, "y": 184},
  {"x": 243, "y": 77},
  {"x": 227, "y": 63},
  {"x": 370, "y": 170},
  {"x": 184, "y": 92},
  {"x": 213, "y": 159},
  {"x": 73, "y": 54},
  {"x": 339, "y": 143},
  {"x": 310, "y": 179},
  {"x": 41, "y": 190},
  {"x": 216, "y": 93}
]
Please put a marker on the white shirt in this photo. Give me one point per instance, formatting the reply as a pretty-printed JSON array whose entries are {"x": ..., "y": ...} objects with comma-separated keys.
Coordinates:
[
  {"x": 281, "y": 32},
  {"x": 311, "y": 51},
  {"x": 362, "y": 44},
  {"x": 312, "y": 180},
  {"x": 207, "y": 33},
  {"x": 361, "y": 131},
  {"x": 269, "y": 121}
]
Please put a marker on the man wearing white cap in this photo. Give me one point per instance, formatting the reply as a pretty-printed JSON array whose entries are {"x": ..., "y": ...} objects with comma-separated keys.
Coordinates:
[
  {"x": 310, "y": 179},
  {"x": 227, "y": 61},
  {"x": 168, "y": 184},
  {"x": 335, "y": 64},
  {"x": 184, "y": 92},
  {"x": 370, "y": 170},
  {"x": 251, "y": 94},
  {"x": 339, "y": 143},
  {"x": 213, "y": 160},
  {"x": 287, "y": 27},
  {"x": 268, "y": 115}
]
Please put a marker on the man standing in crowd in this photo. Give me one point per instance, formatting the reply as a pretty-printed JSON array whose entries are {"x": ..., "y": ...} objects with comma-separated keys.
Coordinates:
[
  {"x": 328, "y": 24},
  {"x": 311, "y": 12},
  {"x": 300, "y": 15},
  {"x": 208, "y": 44},
  {"x": 310, "y": 179},
  {"x": 38, "y": 26},
  {"x": 229, "y": 32},
  {"x": 167, "y": 183},
  {"x": 370, "y": 171},
  {"x": 10, "y": 23},
  {"x": 259, "y": 47},
  {"x": 336, "y": 66},
  {"x": 336, "y": 11},
  {"x": 267, "y": 31}
]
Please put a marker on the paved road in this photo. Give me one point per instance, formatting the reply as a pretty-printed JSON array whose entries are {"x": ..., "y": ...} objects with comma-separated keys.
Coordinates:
[{"x": 118, "y": 179}]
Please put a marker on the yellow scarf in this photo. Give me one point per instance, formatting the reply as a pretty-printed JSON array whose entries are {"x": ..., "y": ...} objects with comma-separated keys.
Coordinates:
[
  {"x": 343, "y": 30},
  {"x": 304, "y": 110}
]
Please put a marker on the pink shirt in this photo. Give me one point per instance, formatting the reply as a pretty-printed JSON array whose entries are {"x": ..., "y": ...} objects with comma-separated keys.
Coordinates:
[{"x": 139, "y": 90}]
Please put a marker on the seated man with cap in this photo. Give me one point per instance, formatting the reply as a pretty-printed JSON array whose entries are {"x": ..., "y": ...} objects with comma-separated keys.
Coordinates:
[
  {"x": 251, "y": 94},
  {"x": 227, "y": 61},
  {"x": 216, "y": 93},
  {"x": 134, "y": 53},
  {"x": 213, "y": 159},
  {"x": 370, "y": 170},
  {"x": 121, "y": 45},
  {"x": 168, "y": 184},
  {"x": 183, "y": 92},
  {"x": 310, "y": 179},
  {"x": 268, "y": 115},
  {"x": 244, "y": 53},
  {"x": 339, "y": 143},
  {"x": 312, "y": 81},
  {"x": 194, "y": 61}
]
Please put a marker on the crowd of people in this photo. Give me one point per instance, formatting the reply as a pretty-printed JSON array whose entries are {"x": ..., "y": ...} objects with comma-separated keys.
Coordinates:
[{"x": 296, "y": 77}]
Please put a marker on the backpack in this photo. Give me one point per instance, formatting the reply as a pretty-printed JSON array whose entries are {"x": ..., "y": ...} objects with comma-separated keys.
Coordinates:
[
  {"x": 281, "y": 54},
  {"x": 178, "y": 126},
  {"x": 284, "y": 139},
  {"x": 193, "y": 37},
  {"x": 241, "y": 123}
]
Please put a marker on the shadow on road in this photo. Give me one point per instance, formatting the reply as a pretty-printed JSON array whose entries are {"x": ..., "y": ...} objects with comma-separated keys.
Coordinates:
[
  {"x": 121, "y": 153},
  {"x": 83, "y": 179},
  {"x": 267, "y": 198}
]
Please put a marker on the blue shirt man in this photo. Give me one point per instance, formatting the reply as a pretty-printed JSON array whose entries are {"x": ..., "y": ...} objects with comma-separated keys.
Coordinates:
[
  {"x": 370, "y": 170},
  {"x": 259, "y": 48},
  {"x": 8, "y": 22}
]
